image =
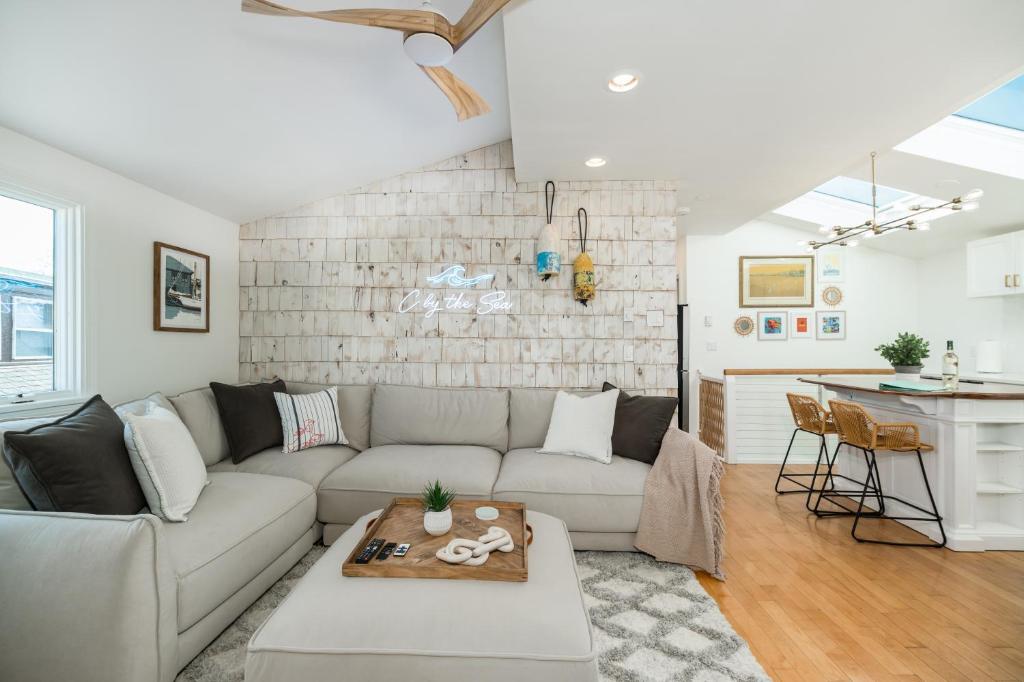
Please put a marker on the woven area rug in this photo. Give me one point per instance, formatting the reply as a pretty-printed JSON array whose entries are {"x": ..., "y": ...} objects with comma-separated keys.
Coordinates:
[{"x": 652, "y": 621}]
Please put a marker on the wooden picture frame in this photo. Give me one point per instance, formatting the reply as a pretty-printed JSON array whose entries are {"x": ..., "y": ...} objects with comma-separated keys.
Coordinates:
[
  {"x": 181, "y": 289},
  {"x": 776, "y": 281}
]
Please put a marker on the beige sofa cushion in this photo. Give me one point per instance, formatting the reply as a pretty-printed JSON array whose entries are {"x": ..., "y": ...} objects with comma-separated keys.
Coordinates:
[
  {"x": 241, "y": 523},
  {"x": 530, "y": 415},
  {"x": 538, "y": 631},
  {"x": 373, "y": 477},
  {"x": 198, "y": 409},
  {"x": 413, "y": 415},
  {"x": 587, "y": 495},
  {"x": 354, "y": 407},
  {"x": 311, "y": 466}
]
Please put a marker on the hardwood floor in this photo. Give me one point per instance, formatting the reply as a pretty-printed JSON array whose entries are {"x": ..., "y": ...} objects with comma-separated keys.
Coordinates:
[{"x": 816, "y": 605}]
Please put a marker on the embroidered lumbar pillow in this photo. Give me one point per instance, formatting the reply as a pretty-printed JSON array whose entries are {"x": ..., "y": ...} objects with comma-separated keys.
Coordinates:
[{"x": 310, "y": 419}]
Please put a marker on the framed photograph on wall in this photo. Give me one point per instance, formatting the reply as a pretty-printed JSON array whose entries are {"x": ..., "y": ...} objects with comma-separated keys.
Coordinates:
[
  {"x": 801, "y": 325},
  {"x": 831, "y": 325},
  {"x": 776, "y": 281},
  {"x": 181, "y": 289},
  {"x": 772, "y": 326},
  {"x": 832, "y": 266}
]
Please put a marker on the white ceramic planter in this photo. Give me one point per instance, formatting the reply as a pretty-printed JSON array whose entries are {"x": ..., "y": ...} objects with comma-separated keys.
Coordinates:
[{"x": 437, "y": 523}]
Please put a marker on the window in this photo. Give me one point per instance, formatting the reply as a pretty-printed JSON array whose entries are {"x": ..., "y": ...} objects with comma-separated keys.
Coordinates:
[
  {"x": 40, "y": 332},
  {"x": 859, "y": 191},
  {"x": 1002, "y": 107}
]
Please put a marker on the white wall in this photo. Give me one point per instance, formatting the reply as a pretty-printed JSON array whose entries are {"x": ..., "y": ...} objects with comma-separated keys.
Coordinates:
[
  {"x": 947, "y": 313},
  {"x": 880, "y": 295},
  {"x": 121, "y": 220}
]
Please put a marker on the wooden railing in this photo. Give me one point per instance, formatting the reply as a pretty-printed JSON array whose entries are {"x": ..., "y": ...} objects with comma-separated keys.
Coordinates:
[{"x": 711, "y": 429}]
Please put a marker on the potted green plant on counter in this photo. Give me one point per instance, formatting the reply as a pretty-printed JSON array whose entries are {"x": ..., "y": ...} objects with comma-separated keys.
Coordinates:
[
  {"x": 437, "y": 512},
  {"x": 905, "y": 353}
]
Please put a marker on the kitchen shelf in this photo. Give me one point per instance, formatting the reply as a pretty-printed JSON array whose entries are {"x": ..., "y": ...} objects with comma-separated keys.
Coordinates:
[{"x": 995, "y": 488}]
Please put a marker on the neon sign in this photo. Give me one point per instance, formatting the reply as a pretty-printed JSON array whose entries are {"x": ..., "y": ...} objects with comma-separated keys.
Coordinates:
[{"x": 431, "y": 303}]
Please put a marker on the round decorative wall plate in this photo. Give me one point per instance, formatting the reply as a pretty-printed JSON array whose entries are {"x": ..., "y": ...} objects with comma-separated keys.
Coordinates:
[
  {"x": 832, "y": 296},
  {"x": 743, "y": 325}
]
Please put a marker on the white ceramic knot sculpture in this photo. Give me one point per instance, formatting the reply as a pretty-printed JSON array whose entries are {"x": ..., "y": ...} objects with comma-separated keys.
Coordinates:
[{"x": 476, "y": 552}]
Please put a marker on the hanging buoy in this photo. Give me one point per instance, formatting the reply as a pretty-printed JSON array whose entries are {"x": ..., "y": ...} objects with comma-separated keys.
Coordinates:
[
  {"x": 583, "y": 266},
  {"x": 549, "y": 260}
]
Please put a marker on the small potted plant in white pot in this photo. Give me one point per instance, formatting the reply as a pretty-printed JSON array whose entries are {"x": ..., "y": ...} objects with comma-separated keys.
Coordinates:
[
  {"x": 905, "y": 353},
  {"x": 437, "y": 512}
]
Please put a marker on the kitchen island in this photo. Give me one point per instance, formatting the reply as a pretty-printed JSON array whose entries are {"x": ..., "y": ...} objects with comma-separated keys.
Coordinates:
[{"x": 976, "y": 470}]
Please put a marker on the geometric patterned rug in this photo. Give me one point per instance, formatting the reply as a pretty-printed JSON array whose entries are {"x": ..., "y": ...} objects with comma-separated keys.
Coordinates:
[{"x": 652, "y": 622}]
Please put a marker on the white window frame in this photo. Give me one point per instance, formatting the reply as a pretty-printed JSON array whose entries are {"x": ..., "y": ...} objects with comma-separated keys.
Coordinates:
[
  {"x": 15, "y": 329},
  {"x": 68, "y": 320}
]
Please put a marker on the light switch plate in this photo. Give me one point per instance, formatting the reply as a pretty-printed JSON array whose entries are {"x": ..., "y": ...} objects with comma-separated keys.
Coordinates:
[
  {"x": 627, "y": 353},
  {"x": 655, "y": 318},
  {"x": 627, "y": 315},
  {"x": 707, "y": 320},
  {"x": 711, "y": 346}
]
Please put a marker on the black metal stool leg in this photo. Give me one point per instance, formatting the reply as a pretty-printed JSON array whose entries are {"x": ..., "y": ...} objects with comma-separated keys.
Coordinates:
[
  {"x": 933, "y": 513},
  {"x": 814, "y": 476},
  {"x": 863, "y": 495},
  {"x": 782, "y": 468}
]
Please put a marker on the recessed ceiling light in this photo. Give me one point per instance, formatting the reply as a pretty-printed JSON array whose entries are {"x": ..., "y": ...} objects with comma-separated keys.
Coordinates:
[
  {"x": 623, "y": 82},
  {"x": 596, "y": 161}
]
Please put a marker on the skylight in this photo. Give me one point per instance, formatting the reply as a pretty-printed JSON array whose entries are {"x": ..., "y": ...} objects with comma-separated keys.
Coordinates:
[
  {"x": 859, "y": 191},
  {"x": 1002, "y": 107}
]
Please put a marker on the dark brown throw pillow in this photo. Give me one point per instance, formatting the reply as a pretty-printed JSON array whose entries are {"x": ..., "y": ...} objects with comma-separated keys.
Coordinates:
[
  {"x": 249, "y": 416},
  {"x": 78, "y": 463},
  {"x": 640, "y": 424}
]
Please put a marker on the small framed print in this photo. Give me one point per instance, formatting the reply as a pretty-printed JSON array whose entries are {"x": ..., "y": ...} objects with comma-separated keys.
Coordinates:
[
  {"x": 831, "y": 325},
  {"x": 181, "y": 289},
  {"x": 801, "y": 325},
  {"x": 831, "y": 266},
  {"x": 772, "y": 326}
]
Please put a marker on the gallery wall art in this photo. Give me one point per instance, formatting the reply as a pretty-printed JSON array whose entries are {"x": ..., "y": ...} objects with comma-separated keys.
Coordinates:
[
  {"x": 776, "y": 281},
  {"x": 181, "y": 289}
]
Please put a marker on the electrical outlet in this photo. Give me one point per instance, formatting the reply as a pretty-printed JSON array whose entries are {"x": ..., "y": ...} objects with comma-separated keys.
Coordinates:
[
  {"x": 627, "y": 353},
  {"x": 707, "y": 320}
]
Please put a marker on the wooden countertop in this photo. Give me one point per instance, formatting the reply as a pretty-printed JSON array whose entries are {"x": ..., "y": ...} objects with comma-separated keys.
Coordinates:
[{"x": 964, "y": 392}]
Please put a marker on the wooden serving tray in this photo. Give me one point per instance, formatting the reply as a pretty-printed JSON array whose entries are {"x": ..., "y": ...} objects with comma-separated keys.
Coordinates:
[{"x": 402, "y": 521}]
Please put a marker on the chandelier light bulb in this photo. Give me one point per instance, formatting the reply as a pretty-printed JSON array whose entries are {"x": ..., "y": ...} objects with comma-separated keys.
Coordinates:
[
  {"x": 809, "y": 249},
  {"x": 870, "y": 234},
  {"x": 852, "y": 243},
  {"x": 974, "y": 195},
  {"x": 824, "y": 229},
  {"x": 924, "y": 226},
  {"x": 802, "y": 242},
  {"x": 969, "y": 206}
]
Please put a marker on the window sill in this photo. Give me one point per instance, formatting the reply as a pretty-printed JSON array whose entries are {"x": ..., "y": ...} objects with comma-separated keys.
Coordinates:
[{"x": 44, "y": 407}]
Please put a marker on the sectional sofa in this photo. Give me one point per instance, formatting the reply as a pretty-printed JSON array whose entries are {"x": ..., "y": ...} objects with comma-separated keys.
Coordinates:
[{"x": 134, "y": 598}]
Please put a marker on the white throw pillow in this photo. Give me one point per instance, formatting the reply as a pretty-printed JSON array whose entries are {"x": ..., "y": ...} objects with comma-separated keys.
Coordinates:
[
  {"x": 582, "y": 426},
  {"x": 310, "y": 419},
  {"x": 166, "y": 462}
]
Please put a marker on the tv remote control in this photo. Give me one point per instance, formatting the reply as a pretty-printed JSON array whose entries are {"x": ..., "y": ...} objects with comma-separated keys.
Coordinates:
[
  {"x": 386, "y": 552},
  {"x": 371, "y": 549},
  {"x": 402, "y": 549}
]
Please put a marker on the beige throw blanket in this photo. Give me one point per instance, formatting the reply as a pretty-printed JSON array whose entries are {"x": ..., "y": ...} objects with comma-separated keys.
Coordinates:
[{"x": 681, "y": 518}]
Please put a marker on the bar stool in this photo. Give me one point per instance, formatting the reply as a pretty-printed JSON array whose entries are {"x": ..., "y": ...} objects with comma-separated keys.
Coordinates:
[
  {"x": 810, "y": 417},
  {"x": 858, "y": 429}
]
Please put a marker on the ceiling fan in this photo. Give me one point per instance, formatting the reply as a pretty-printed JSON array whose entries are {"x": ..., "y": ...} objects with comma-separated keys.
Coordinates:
[{"x": 430, "y": 39}]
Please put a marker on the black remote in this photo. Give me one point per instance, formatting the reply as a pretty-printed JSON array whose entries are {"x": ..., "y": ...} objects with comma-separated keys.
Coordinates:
[
  {"x": 371, "y": 549},
  {"x": 386, "y": 552}
]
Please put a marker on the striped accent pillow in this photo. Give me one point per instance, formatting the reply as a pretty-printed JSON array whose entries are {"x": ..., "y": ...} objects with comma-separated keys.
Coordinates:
[{"x": 310, "y": 419}]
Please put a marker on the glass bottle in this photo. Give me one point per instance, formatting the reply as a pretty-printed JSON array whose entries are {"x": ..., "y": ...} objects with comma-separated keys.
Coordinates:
[{"x": 950, "y": 368}]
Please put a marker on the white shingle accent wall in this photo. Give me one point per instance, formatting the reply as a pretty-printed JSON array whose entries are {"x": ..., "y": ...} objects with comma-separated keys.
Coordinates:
[{"x": 321, "y": 285}]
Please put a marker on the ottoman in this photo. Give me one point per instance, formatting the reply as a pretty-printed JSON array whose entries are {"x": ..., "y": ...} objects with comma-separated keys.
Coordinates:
[{"x": 332, "y": 627}]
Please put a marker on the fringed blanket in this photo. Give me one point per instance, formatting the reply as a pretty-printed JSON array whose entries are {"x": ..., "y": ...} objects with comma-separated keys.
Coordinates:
[{"x": 681, "y": 518}]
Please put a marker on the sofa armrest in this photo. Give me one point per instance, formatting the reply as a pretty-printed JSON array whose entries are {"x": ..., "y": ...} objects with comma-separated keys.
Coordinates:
[{"x": 85, "y": 597}]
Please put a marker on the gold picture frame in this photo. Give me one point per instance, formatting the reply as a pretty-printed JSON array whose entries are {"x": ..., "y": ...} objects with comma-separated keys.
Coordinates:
[{"x": 776, "y": 281}]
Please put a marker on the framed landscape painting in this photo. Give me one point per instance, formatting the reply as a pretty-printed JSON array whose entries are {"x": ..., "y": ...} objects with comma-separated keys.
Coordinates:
[
  {"x": 776, "y": 281},
  {"x": 181, "y": 289}
]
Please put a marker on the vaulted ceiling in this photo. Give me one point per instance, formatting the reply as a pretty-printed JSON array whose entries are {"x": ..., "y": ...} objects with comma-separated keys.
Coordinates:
[{"x": 748, "y": 104}]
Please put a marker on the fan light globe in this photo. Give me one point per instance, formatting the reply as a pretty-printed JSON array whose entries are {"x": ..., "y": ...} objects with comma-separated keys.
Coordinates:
[{"x": 428, "y": 49}]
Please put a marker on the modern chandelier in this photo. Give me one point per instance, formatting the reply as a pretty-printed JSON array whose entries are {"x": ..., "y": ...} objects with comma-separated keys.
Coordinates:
[{"x": 909, "y": 220}]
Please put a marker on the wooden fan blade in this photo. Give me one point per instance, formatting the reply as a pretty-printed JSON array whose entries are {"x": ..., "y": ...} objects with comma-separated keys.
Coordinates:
[
  {"x": 408, "y": 21},
  {"x": 478, "y": 14},
  {"x": 465, "y": 99}
]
